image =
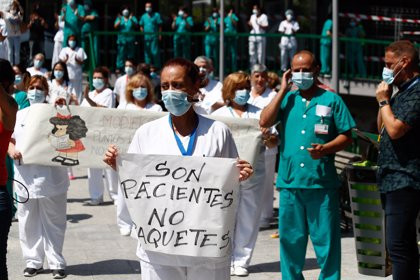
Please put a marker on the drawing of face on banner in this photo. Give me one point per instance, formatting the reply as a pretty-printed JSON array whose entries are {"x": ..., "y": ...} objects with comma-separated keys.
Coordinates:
[{"x": 65, "y": 136}]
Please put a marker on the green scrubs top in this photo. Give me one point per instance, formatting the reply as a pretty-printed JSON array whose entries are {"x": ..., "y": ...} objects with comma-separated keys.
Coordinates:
[
  {"x": 126, "y": 25},
  {"x": 72, "y": 24},
  {"x": 21, "y": 99},
  {"x": 150, "y": 23},
  {"x": 229, "y": 26},
  {"x": 327, "y": 27},
  {"x": 181, "y": 24},
  {"x": 214, "y": 25},
  {"x": 90, "y": 26},
  {"x": 321, "y": 121}
]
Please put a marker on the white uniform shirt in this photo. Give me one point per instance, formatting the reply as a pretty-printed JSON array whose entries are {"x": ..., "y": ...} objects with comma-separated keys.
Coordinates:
[
  {"x": 33, "y": 71},
  {"x": 214, "y": 139},
  {"x": 41, "y": 181},
  {"x": 104, "y": 98},
  {"x": 119, "y": 90},
  {"x": 59, "y": 35},
  {"x": 257, "y": 23},
  {"x": 261, "y": 102},
  {"x": 288, "y": 28},
  {"x": 252, "y": 112},
  {"x": 56, "y": 90},
  {"x": 74, "y": 68},
  {"x": 212, "y": 94},
  {"x": 149, "y": 106}
]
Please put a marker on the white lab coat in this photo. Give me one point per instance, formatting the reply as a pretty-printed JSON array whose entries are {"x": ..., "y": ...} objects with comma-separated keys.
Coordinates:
[
  {"x": 214, "y": 139},
  {"x": 56, "y": 90},
  {"x": 42, "y": 219},
  {"x": 257, "y": 43},
  {"x": 3, "y": 44},
  {"x": 270, "y": 158},
  {"x": 95, "y": 181},
  {"x": 288, "y": 45},
  {"x": 250, "y": 200},
  {"x": 74, "y": 68},
  {"x": 212, "y": 94},
  {"x": 119, "y": 90},
  {"x": 124, "y": 221},
  {"x": 33, "y": 71},
  {"x": 58, "y": 41}
]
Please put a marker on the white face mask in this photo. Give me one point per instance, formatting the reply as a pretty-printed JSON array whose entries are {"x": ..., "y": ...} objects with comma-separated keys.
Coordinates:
[
  {"x": 289, "y": 17},
  {"x": 36, "y": 96}
]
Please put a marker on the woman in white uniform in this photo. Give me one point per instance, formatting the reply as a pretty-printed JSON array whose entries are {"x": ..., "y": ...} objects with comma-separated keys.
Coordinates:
[
  {"x": 121, "y": 83},
  {"x": 261, "y": 96},
  {"x": 139, "y": 96},
  {"x": 42, "y": 218},
  {"x": 74, "y": 57},
  {"x": 101, "y": 96},
  {"x": 60, "y": 86},
  {"x": 37, "y": 69},
  {"x": 180, "y": 86},
  {"x": 236, "y": 92}
]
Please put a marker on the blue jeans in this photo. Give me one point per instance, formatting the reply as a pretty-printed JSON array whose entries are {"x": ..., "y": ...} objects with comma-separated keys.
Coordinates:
[
  {"x": 401, "y": 209},
  {"x": 5, "y": 223}
]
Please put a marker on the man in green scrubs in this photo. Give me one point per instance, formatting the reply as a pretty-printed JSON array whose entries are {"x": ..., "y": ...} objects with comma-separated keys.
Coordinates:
[
  {"x": 151, "y": 22},
  {"x": 231, "y": 21},
  {"x": 90, "y": 24},
  {"x": 325, "y": 47},
  {"x": 73, "y": 20},
  {"x": 211, "y": 46},
  {"x": 354, "y": 49},
  {"x": 315, "y": 125},
  {"x": 181, "y": 24},
  {"x": 125, "y": 22}
]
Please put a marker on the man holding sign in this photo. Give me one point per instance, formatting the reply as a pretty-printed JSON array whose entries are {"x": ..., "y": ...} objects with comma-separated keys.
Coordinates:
[
  {"x": 315, "y": 125},
  {"x": 184, "y": 133}
]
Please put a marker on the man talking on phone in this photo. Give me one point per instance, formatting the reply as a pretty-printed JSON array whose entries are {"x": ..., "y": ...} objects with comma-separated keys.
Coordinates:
[{"x": 315, "y": 124}]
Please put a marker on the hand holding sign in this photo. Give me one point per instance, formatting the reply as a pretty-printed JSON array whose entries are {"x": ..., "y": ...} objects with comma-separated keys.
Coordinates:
[{"x": 111, "y": 156}]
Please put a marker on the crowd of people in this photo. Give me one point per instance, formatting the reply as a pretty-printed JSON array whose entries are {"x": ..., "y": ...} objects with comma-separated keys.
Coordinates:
[{"x": 314, "y": 125}]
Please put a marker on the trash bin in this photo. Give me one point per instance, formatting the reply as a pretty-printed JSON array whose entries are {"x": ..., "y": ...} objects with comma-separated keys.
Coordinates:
[{"x": 368, "y": 221}]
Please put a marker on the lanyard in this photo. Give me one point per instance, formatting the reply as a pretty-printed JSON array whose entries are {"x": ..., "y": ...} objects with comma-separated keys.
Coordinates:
[{"x": 191, "y": 143}]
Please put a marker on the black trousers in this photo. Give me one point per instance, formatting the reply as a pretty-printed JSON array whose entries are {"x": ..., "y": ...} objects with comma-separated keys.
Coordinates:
[
  {"x": 401, "y": 209},
  {"x": 5, "y": 223}
]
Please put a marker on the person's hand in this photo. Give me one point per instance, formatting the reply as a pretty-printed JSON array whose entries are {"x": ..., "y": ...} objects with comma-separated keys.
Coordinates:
[
  {"x": 60, "y": 101},
  {"x": 173, "y": 17},
  {"x": 185, "y": 15},
  {"x": 86, "y": 92},
  {"x": 317, "y": 151},
  {"x": 15, "y": 154},
  {"x": 73, "y": 99},
  {"x": 286, "y": 84},
  {"x": 111, "y": 156},
  {"x": 383, "y": 92},
  {"x": 245, "y": 169}
]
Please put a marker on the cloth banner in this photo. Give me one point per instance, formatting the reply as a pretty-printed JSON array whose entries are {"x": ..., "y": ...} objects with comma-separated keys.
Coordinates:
[
  {"x": 181, "y": 205},
  {"x": 80, "y": 136}
]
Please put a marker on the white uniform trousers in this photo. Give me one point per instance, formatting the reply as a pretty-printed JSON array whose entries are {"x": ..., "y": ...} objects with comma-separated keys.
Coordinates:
[
  {"x": 96, "y": 183},
  {"x": 56, "y": 52},
  {"x": 42, "y": 225},
  {"x": 207, "y": 271},
  {"x": 123, "y": 216},
  {"x": 257, "y": 51},
  {"x": 77, "y": 87},
  {"x": 286, "y": 55},
  {"x": 268, "y": 196},
  {"x": 247, "y": 221}
]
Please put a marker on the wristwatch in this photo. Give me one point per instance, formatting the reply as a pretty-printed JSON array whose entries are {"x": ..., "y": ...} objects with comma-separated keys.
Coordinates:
[{"x": 383, "y": 103}]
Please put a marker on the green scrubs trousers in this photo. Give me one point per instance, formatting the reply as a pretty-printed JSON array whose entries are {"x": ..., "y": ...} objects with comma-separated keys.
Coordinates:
[
  {"x": 151, "y": 51},
  {"x": 325, "y": 57},
  {"x": 313, "y": 212}
]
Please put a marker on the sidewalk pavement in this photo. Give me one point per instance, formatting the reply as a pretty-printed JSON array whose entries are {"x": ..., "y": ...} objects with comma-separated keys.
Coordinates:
[{"x": 94, "y": 249}]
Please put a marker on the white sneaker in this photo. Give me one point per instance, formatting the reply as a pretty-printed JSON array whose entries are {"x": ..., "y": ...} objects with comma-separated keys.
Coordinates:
[
  {"x": 241, "y": 271},
  {"x": 95, "y": 202},
  {"x": 125, "y": 231},
  {"x": 232, "y": 270}
]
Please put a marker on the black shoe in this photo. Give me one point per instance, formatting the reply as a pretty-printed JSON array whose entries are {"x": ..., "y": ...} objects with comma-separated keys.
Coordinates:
[
  {"x": 59, "y": 274},
  {"x": 31, "y": 272}
]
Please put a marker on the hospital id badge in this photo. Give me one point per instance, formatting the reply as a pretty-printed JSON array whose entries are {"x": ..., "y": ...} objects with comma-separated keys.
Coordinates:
[{"x": 321, "y": 128}]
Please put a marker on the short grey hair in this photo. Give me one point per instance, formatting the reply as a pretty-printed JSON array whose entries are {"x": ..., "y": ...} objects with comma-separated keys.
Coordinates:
[
  {"x": 258, "y": 68},
  {"x": 205, "y": 59}
]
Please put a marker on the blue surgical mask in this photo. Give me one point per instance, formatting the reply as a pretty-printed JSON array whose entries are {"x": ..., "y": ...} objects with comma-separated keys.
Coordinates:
[
  {"x": 180, "y": 13},
  {"x": 388, "y": 75},
  {"x": 255, "y": 11},
  {"x": 18, "y": 79},
  {"x": 58, "y": 74},
  {"x": 126, "y": 13},
  {"x": 215, "y": 15},
  {"x": 71, "y": 2},
  {"x": 303, "y": 80},
  {"x": 148, "y": 10},
  {"x": 72, "y": 44},
  {"x": 153, "y": 75},
  {"x": 140, "y": 93},
  {"x": 241, "y": 96},
  {"x": 176, "y": 102},
  {"x": 36, "y": 96},
  {"x": 129, "y": 70},
  {"x": 38, "y": 63},
  {"x": 98, "y": 83},
  {"x": 205, "y": 71}
]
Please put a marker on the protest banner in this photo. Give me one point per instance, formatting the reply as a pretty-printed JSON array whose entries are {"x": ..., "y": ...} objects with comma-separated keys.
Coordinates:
[
  {"x": 181, "y": 205},
  {"x": 80, "y": 136}
]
